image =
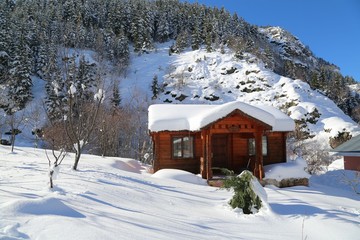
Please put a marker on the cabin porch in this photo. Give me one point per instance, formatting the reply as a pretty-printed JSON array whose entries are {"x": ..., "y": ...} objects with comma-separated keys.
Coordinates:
[{"x": 233, "y": 151}]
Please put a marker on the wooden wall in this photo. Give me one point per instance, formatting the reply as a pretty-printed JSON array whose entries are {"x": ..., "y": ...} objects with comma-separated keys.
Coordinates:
[
  {"x": 163, "y": 152},
  {"x": 276, "y": 148},
  {"x": 237, "y": 123},
  {"x": 352, "y": 163}
]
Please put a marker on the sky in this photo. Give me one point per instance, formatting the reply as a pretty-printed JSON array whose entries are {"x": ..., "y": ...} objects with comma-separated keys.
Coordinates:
[{"x": 331, "y": 28}]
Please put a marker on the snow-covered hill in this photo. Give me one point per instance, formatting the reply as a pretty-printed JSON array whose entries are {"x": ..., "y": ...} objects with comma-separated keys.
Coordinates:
[
  {"x": 115, "y": 198},
  {"x": 289, "y": 47},
  {"x": 199, "y": 77}
]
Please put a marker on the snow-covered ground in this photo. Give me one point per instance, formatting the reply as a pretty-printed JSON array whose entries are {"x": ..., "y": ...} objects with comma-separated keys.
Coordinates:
[{"x": 115, "y": 198}]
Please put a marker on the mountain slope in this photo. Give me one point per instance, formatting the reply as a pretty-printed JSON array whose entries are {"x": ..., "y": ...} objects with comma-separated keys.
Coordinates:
[{"x": 213, "y": 78}]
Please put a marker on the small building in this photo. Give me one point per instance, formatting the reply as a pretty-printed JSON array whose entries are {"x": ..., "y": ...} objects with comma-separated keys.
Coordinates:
[
  {"x": 350, "y": 150},
  {"x": 203, "y": 138}
]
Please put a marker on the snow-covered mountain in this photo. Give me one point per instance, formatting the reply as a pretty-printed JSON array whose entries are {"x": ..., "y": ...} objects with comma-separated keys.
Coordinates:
[
  {"x": 200, "y": 77},
  {"x": 289, "y": 47}
]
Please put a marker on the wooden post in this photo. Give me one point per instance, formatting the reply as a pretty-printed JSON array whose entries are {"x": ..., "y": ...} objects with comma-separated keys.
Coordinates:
[
  {"x": 209, "y": 155},
  {"x": 284, "y": 137},
  {"x": 156, "y": 150},
  {"x": 258, "y": 170},
  {"x": 203, "y": 160}
]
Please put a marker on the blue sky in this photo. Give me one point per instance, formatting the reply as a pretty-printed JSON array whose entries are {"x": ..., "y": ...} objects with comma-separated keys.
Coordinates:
[{"x": 331, "y": 28}]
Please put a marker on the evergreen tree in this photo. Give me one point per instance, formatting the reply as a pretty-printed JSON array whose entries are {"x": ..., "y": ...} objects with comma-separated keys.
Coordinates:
[
  {"x": 121, "y": 49},
  {"x": 55, "y": 92},
  {"x": 141, "y": 28},
  {"x": 84, "y": 79},
  {"x": 116, "y": 98},
  {"x": 108, "y": 40},
  {"x": 182, "y": 42},
  {"x": 162, "y": 26},
  {"x": 196, "y": 36},
  {"x": 19, "y": 69},
  {"x": 155, "y": 87},
  {"x": 208, "y": 32},
  {"x": 244, "y": 195},
  {"x": 4, "y": 43}
]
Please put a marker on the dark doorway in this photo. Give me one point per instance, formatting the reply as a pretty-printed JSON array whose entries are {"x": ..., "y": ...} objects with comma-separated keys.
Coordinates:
[{"x": 220, "y": 151}]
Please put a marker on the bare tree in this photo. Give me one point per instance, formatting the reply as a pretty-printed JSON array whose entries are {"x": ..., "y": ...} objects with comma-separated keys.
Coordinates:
[
  {"x": 107, "y": 133},
  {"x": 55, "y": 137},
  {"x": 35, "y": 116},
  {"x": 139, "y": 140},
  {"x": 352, "y": 182},
  {"x": 80, "y": 122},
  {"x": 14, "y": 121},
  {"x": 54, "y": 164}
]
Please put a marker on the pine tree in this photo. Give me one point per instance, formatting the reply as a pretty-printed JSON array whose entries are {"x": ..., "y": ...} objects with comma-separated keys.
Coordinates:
[
  {"x": 244, "y": 195},
  {"x": 55, "y": 92},
  {"x": 121, "y": 49},
  {"x": 182, "y": 42},
  {"x": 155, "y": 87},
  {"x": 141, "y": 28},
  {"x": 116, "y": 98},
  {"x": 19, "y": 68},
  {"x": 4, "y": 43},
  {"x": 162, "y": 26},
  {"x": 85, "y": 79},
  {"x": 41, "y": 58},
  {"x": 196, "y": 37},
  {"x": 208, "y": 32}
]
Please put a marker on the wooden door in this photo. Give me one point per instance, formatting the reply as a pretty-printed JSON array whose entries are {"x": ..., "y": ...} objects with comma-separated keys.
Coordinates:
[{"x": 220, "y": 150}]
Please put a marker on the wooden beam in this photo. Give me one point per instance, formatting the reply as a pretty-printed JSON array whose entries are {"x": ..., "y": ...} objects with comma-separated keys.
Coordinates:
[
  {"x": 203, "y": 160},
  {"x": 284, "y": 136},
  {"x": 259, "y": 168},
  {"x": 209, "y": 155},
  {"x": 156, "y": 150}
]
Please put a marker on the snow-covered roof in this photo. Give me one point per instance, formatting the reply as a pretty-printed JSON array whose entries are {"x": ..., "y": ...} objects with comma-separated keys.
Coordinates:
[
  {"x": 177, "y": 117},
  {"x": 349, "y": 148}
]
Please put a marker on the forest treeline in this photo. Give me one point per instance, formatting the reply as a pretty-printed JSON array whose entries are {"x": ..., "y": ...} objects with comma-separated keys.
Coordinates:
[{"x": 34, "y": 34}]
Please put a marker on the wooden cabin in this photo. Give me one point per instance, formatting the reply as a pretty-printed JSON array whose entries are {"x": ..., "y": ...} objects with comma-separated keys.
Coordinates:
[
  {"x": 203, "y": 138},
  {"x": 350, "y": 150}
]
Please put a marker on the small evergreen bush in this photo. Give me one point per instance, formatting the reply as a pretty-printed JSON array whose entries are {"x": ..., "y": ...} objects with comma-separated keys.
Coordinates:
[{"x": 244, "y": 195}]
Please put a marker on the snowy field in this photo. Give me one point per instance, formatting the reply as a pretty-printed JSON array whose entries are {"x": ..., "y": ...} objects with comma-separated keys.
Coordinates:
[{"x": 114, "y": 198}]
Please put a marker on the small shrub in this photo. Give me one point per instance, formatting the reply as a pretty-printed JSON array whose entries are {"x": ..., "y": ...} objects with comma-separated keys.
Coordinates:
[
  {"x": 313, "y": 116},
  {"x": 316, "y": 157},
  {"x": 244, "y": 196},
  {"x": 340, "y": 138},
  {"x": 352, "y": 182}
]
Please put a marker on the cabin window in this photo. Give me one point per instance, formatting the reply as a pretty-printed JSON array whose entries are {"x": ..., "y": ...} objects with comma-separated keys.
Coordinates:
[
  {"x": 183, "y": 147},
  {"x": 252, "y": 147},
  {"x": 264, "y": 146}
]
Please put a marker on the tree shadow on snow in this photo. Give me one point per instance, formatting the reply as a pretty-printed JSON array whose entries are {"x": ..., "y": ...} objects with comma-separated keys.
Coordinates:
[{"x": 303, "y": 209}]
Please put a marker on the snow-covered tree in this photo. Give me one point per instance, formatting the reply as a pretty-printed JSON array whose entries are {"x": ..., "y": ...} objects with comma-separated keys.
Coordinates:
[
  {"x": 244, "y": 195},
  {"x": 155, "y": 87}
]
